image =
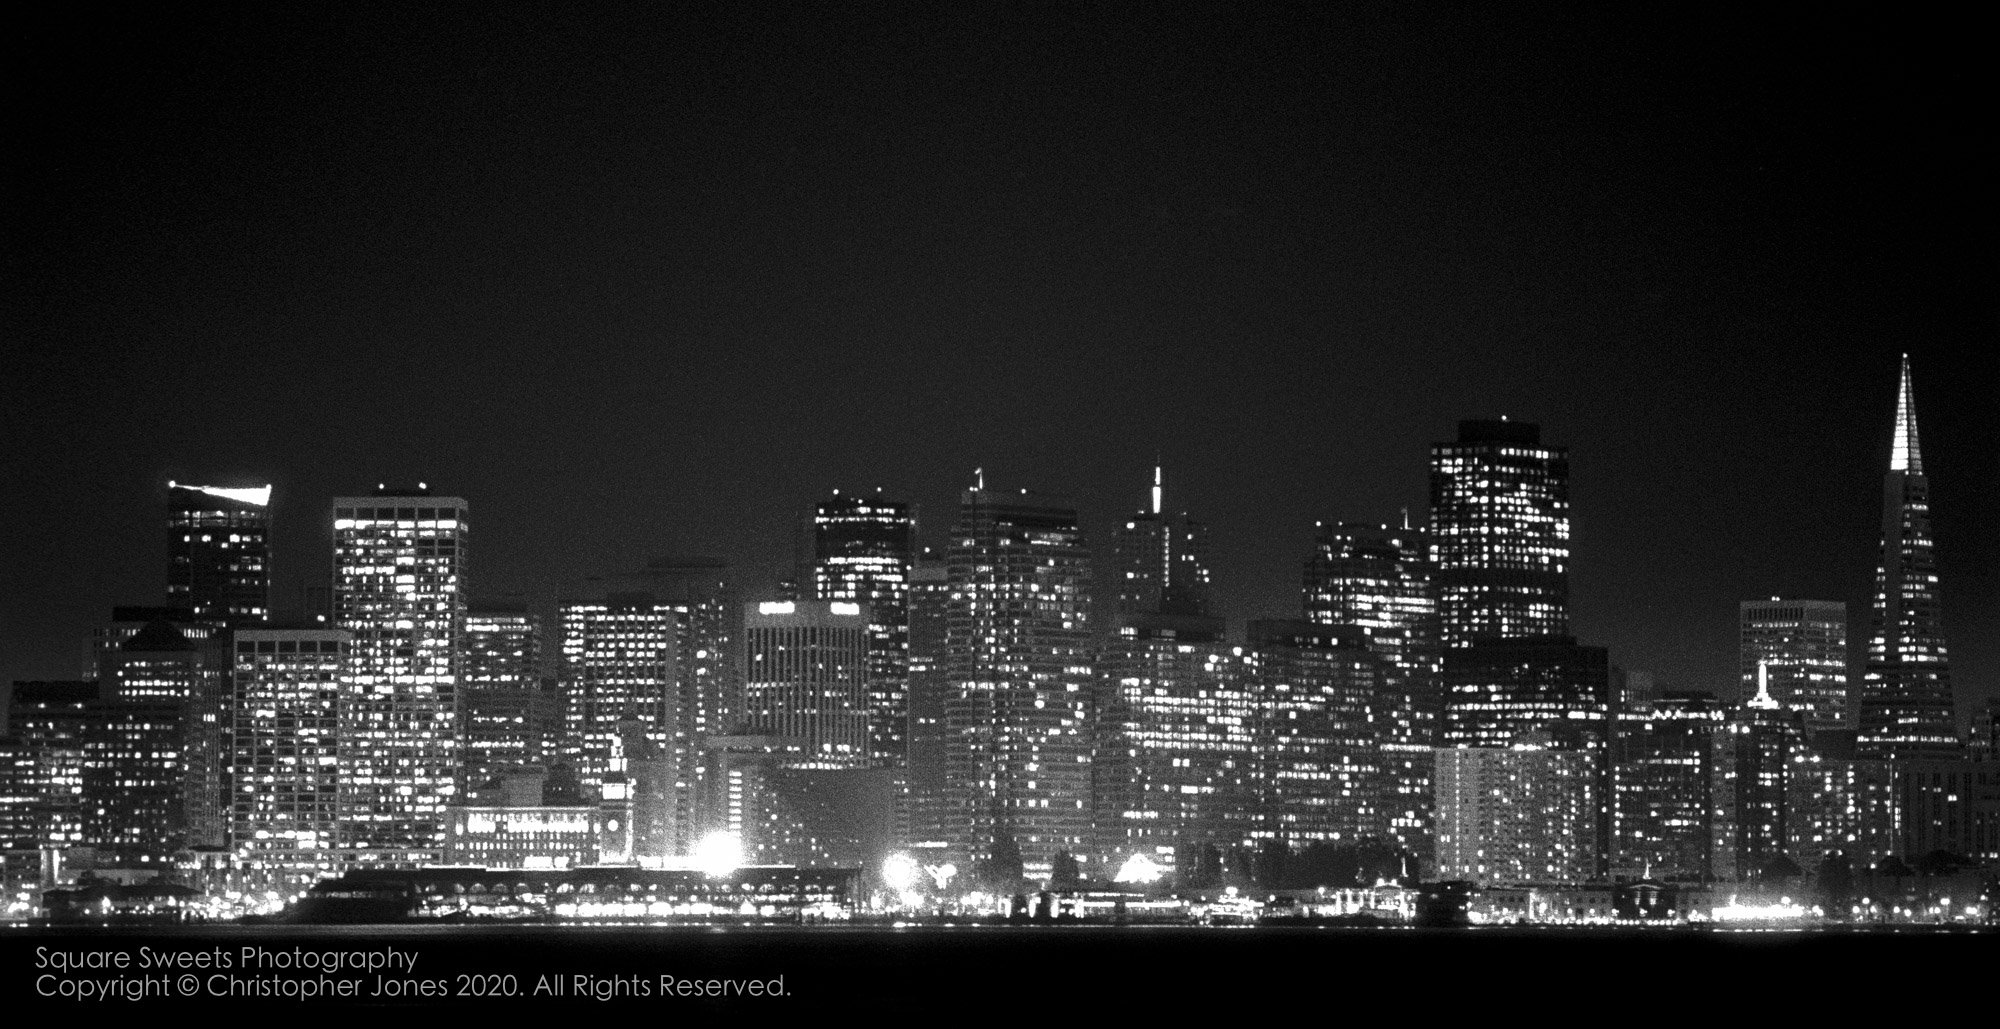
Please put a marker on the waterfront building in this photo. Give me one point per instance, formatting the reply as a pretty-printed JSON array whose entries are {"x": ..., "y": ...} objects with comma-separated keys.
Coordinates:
[
  {"x": 1528, "y": 813},
  {"x": 399, "y": 591}
]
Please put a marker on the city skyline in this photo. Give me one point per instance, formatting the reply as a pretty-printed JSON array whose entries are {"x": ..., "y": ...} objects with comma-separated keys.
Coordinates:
[{"x": 1283, "y": 277}]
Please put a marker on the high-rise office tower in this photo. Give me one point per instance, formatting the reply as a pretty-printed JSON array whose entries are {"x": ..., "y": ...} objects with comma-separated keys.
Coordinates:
[
  {"x": 708, "y": 682},
  {"x": 1159, "y": 560},
  {"x": 1802, "y": 647},
  {"x": 1018, "y": 659},
  {"x": 1319, "y": 774},
  {"x": 1669, "y": 769},
  {"x": 218, "y": 552},
  {"x": 1175, "y": 753},
  {"x": 1499, "y": 533},
  {"x": 863, "y": 547},
  {"x": 508, "y": 720},
  {"x": 1766, "y": 742},
  {"x": 399, "y": 587},
  {"x": 619, "y": 659},
  {"x": 1500, "y": 689},
  {"x": 111, "y": 769},
  {"x": 1378, "y": 579},
  {"x": 930, "y": 603},
  {"x": 1905, "y": 699},
  {"x": 160, "y": 666},
  {"x": 284, "y": 763},
  {"x": 805, "y": 678},
  {"x": 48, "y": 720}
]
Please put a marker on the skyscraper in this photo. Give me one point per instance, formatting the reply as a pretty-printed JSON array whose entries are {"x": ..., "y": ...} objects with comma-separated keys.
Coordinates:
[
  {"x": 399, "y": 585},
  {"x": 1906, "y": 700},
  {"x": 218, "y": 552},
  {"x": 1319, "y": 772},
  {"x": 1670, "y": 767},
  {"x": 805, "y": 678},
  {"x": 862, "y": 551},
  {"x": 508, "y": 719},
  {"x": 1018, "y": 661},
  {"x": 1802, "y": 646},
  {"x": 1174, "y": 761},
  {"x": 284, "y": 809},
  {"x": 1378, "y": 579},
  {"x": 1159, "y": 560},
  {"x": 1499, "y": 533},
  {"x": 930, "y": 605},
  {"x": 619, "y": 658}
]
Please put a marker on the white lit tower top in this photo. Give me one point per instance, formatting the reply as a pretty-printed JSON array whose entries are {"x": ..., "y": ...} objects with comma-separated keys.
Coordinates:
[
  {"x": 1159, "y": 560},
  {"x": 1906, "y": 691},
  {"x": 218, "y": 552}
]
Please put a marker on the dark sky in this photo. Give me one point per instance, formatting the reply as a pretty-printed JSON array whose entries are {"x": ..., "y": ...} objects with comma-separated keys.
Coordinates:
[{"x": 655, "y": 284}]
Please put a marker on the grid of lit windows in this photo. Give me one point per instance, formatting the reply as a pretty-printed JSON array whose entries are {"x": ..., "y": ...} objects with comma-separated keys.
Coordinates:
[
  {"x": 284, "y": 817},
  {"x": 806, "y": 679},
  {"x": 1018, "y": 660},
  {"x": 862, "y": 548},
  {"x": 399, "y": 589},
  {"x": 618, "y": 658},
  {"x": 1499, "y": 533}
]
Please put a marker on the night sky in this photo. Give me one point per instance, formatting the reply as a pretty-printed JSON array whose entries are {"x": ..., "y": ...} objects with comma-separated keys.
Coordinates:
[{"x": 654, "y": 286}]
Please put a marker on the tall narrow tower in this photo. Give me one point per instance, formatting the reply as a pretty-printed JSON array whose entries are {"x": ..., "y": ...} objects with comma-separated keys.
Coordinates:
[
  {"x": 399, "y": 589},
  {"x": 1018, "y": 661},
  {"x": 862, "y": 550},
  {"x": 1905, "y": 702}
]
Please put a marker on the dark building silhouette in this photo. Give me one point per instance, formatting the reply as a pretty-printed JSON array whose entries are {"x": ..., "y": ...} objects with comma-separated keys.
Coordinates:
[
  {"x": 219, "y": 552},
  {"x": 1159, "y": 560}
]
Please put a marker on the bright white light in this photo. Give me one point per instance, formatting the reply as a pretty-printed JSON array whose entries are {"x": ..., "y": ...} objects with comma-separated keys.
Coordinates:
[
  {"x": 719, "y": 854},
  {"x": 899, "y": 872},
  {"x": 260, "y": 496},
  {"x": 841, "y": 607},
  {"x": 941, "y": 874},
  {"x": 776, "y": 607},
  {"x": 1140, "y": 869}
]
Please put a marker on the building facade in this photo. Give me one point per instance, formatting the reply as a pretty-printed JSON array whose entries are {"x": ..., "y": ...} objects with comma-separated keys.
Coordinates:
[
  {"x": 1500, "y": 533},
  {"x": 219, "y": 553},
  {"x": 863, "y": 547},
  {"x": 1018, "y": 663},
  {"x": 1906, "y": 691},
  {"x": 1802, "y": 647},
  {"x": 399, "y": 591}
]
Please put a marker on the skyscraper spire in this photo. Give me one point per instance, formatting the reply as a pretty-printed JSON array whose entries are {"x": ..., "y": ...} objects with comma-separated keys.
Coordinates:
[
  {"x": 1159, "y": 487},
  {"x": 1906, "y": 691},
  {"x": 1905, "y": 457}
]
